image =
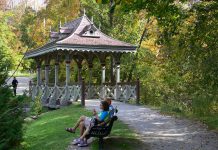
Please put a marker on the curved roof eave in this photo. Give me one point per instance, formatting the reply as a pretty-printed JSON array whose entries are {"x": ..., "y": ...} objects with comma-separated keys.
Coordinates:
[
  {"x": 82, "y": 48},
  {"x": 39, "y": 51}
]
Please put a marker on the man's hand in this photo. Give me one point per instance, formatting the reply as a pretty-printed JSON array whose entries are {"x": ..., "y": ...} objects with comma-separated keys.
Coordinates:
[
  {"x": 101, "y": 124},
  {"x": 94, "y": 112}
]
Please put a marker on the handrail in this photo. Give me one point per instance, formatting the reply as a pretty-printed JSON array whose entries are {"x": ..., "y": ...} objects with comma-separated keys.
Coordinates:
[
  {"x": 87, "y": 84},
  {"x": 122, "y": 91}
]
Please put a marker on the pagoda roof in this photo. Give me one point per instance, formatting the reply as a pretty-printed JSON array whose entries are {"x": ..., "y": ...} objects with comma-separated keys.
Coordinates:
[{"x": 81, "y": 35}]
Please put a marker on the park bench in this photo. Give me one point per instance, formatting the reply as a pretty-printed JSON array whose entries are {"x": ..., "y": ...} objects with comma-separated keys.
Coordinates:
[{"x": 102, "y": 131}]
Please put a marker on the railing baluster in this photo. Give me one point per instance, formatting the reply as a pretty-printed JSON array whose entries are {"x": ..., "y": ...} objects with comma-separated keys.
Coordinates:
[{"x": 125, "y": 91}]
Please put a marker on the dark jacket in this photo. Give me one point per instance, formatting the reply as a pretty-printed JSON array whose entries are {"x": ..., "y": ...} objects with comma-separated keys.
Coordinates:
[{"x": 14, "y": 83}]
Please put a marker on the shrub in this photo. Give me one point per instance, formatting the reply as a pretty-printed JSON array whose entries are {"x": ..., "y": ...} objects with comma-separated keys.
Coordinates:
[
  {"x": 10, "y": 119},
  {"x": 36, "y": 108},
  {"x": 204, "y": 104}
]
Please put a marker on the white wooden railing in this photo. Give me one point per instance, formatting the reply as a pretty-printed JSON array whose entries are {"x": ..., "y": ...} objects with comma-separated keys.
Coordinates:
[{"x": 54, "y": 95}]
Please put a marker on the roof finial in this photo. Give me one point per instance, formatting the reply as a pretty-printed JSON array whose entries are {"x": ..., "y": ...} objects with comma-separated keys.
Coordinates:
[
  {"x": 99, "y": 27},
  {"x": 84, "y": 12}
]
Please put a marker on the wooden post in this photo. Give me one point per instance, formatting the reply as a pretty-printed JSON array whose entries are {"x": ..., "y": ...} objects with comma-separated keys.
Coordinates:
[
  {"x": 67, "y": 72},
  {"x": 103, "y": 68},
  {"x": 47, "y": 63},
  {"x": 137, "y": 91},
  {"x": 90, "y": 81},
  {"x": 118, "y": 73},
  {"x": 112, "y": 70},
  {"x": 46, "y": 74},
  {"x": 38, "y": 74},
  {"x": 117, "y": 89},
  {"x": 56, "y": 73},
  {"x": 80, "y": 74},
  {"x": 38, "y": 89},
  {"x": 67, "y": 62},
  {"x": 90, "y": 76},
  {"x": 46, "y": 92},
  {"x": 66, "y": 97},
  {"x": 57, "y": 61},
  {"x": 103, "y": 74},
  {"x": 30, "y": 89},
  {"x": 79, "y": 61},
  {"x": 83, "y": 92}
]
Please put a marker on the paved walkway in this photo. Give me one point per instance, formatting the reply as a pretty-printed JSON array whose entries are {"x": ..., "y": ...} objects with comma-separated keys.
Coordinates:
[
  {"x": 164, "y": 132},
  {"x": 23, "y": 84}
]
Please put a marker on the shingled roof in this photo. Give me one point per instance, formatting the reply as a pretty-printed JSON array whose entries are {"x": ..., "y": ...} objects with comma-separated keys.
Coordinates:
[{"x": 81, "y": 35}]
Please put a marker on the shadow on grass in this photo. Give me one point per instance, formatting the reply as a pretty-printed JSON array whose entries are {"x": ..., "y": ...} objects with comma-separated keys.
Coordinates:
[
  {"x": 120, "y": 143},
  {"x": 48, "y": 131}
]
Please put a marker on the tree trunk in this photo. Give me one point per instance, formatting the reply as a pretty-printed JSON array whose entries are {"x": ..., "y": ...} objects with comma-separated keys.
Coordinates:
[
  {"x": 140, "y": 42},
  {"x": 111, "y": 12}
]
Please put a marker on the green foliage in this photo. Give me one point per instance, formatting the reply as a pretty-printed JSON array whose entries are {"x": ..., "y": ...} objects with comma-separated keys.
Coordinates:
[
  {"x": 6, "y": 36},
  {"x": 11, "y": 119},
  {"x": 181, "y": 77},
  {"x": 177, "y": 62},
  {"x": 36, "y": 108},
  {"x": 10, "y": 107},
  {"x": 26, "y": 32}
]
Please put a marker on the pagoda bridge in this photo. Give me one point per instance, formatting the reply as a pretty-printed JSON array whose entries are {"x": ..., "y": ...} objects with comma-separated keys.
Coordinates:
[{"x": 80, "y": 40}]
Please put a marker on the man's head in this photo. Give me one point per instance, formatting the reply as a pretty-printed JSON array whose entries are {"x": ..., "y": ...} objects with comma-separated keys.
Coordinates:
[
  {"x": 14, "y": 78},
  {"x": 108, "y": 99},
  {"x": 104, "y": 105}
]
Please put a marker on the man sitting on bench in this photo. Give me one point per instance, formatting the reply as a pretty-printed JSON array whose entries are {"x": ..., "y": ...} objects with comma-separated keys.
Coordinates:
[
  {"x": 85, "y": 123},
  {"x": 112, "y": 110}
]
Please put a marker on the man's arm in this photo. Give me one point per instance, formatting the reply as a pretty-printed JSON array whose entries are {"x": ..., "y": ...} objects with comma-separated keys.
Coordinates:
[
  {"x": 101, "y": 124},
  {"x": 95, "y": 114}
]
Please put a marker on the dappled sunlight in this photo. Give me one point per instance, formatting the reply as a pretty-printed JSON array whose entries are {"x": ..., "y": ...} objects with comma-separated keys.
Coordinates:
[
  {"x": 170, "y": 135},
  {"x": 158, "y": 123}
]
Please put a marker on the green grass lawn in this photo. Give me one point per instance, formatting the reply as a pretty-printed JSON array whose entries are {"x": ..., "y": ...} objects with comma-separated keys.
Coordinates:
[{"x": 47, "y": 132}]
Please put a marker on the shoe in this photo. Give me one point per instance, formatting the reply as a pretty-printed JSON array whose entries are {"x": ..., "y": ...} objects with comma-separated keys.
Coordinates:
[
  {"x": 71, "y": 130},
  {"x": 76, "y": 141},
  {"x": 82, "y": 143}
]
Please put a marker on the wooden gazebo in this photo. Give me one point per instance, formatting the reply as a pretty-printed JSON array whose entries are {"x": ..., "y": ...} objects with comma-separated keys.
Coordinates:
[{"x": 80, "y": 40}]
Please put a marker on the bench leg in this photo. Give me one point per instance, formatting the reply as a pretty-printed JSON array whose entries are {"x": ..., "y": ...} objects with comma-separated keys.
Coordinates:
[{"x": 100, "y": 143}]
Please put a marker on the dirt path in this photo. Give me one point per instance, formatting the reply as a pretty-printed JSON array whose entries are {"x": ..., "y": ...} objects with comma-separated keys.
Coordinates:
[{"x": 164, "y": 132}]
